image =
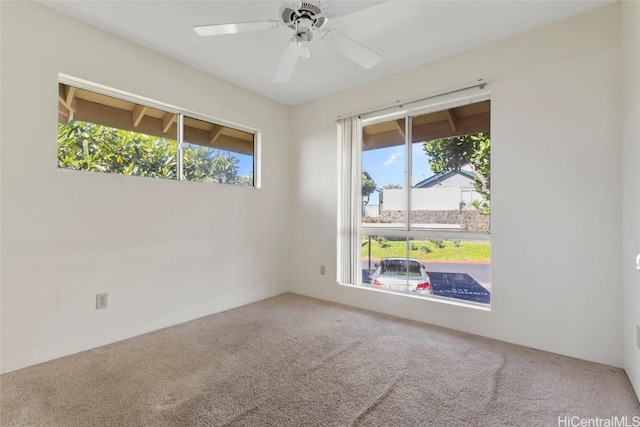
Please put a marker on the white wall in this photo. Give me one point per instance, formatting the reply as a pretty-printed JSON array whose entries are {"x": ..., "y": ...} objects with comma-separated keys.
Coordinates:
[
  {"x": 165, "y": 251},
  {"x": 631, "y": 190},
  {"x": 555, "y": 99}
]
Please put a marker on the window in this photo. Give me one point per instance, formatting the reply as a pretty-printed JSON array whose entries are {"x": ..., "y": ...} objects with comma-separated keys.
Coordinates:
[
  {"x": 101, "y": 133},
  {"x": 215, "y": 153},
  {"x": 418, "y": 221}
]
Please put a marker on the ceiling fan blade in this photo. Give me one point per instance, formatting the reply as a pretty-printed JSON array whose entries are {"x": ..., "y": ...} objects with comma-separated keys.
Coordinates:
[
  {"x": 288, "y": 62},
  {"x": 237, "y": 27},
  {"x": 351, "y": 48}
]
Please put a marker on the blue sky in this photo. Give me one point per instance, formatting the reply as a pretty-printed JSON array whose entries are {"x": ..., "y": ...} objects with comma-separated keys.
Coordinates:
[
  {"x": 387, "y": 166},
  {"x": 245, "y": 164}
]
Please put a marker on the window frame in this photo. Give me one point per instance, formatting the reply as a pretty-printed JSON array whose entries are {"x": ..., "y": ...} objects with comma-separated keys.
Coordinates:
[
  {"x": 421, "y": 107},
  {"x": 180, "y": 113}
]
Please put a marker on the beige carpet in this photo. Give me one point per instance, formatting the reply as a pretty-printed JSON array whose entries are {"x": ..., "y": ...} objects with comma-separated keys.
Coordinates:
[{"x": 296, "y": 361}]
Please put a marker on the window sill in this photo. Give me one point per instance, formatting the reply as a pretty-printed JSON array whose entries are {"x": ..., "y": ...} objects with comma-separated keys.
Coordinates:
[{"x": 432, "y": 298}]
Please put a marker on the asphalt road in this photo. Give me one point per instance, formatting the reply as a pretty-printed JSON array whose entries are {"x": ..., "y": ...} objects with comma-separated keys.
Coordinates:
[
  {"x": 480, "y": 272},
  {"x": 470, "y": 282}
]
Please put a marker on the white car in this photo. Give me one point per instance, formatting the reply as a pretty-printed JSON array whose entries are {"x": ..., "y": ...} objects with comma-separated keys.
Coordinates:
[{"x": 392, "y": 273}]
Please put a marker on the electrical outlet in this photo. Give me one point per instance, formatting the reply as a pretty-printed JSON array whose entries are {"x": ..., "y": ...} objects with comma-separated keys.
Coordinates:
[
  {"x": 323, "y": 270},
  {"x": 638, "y": 336},
  {"x": 101, "y": 301}
]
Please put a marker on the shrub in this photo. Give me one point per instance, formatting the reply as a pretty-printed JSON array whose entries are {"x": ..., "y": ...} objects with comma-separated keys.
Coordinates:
[
  {"x": 382, "y": 241},
  {"x": 438, "y": 243},
  {"x": 426, "y": 249}
]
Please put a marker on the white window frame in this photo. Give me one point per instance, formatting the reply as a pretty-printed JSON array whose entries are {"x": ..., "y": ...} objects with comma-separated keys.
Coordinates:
[
  {"x": 350, "y": 226},
  {"x": 180, "y": 113}
]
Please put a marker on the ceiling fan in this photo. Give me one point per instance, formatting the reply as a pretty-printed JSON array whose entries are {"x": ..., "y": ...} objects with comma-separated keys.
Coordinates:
[{"x": 304, "y": 18}]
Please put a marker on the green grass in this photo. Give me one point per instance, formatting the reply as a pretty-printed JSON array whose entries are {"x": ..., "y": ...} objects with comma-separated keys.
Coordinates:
[{"x": 466, "y": 251}]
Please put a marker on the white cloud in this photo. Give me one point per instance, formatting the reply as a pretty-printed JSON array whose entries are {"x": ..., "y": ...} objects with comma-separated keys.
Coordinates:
[{"x": 392, "y": 158}]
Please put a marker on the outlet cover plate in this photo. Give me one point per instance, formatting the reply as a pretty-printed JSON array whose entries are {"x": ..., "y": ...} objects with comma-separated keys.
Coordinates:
[{"x": 101, "y": 301}]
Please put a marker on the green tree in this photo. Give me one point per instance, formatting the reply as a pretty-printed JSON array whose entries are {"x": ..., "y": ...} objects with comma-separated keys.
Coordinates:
[
  {"x": 451, "y": 154},
  {"x": 92, "y": 147},
  {"x": 201, "y": 165},
  {"x": 368, "y": 187},
  {"x": 86, "y": 146}
]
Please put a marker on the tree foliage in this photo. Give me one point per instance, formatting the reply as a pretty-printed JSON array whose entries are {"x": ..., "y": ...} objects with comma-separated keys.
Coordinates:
[
  {"x": 92, "y": 147},
  {"x": 451, "y": 154},
  {"x": 200, "y": 165},
  {"x": 368, "y": 187}
]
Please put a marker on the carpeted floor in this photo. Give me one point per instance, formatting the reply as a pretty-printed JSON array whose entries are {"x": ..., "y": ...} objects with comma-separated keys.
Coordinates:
[{"x": 297, "y": 361}]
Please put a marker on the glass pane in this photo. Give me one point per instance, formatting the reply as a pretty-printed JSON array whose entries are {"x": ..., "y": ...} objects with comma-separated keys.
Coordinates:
[
  {"x": 451, "y": 170},
  {"x": 387, "y": 264},
  {"x": 383, "y": 174},
  {"x": 215, "y": 153},
  {"x": 105, "y": 134},
  {"x": 458, "y": 269}
]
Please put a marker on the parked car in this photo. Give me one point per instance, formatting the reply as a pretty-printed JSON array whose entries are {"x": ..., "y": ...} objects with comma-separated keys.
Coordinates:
[{"x": 401, "y": 274}]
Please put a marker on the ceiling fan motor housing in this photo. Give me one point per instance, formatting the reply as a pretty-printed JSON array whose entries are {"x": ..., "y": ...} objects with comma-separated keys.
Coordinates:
[{"x": 304, "y": 18}]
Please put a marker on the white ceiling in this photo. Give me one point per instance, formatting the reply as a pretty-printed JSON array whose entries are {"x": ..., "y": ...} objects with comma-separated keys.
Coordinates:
[{"x": 405, "y": 33}]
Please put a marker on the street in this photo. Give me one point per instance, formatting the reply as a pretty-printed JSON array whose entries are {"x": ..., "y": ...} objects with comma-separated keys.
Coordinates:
[
  {"x": 464, "y": 281},
  {"x": 481, "y": 273}
]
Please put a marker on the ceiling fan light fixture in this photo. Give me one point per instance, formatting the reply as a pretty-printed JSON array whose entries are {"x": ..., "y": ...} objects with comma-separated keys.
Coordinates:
[{"x": 305, "y": 52}]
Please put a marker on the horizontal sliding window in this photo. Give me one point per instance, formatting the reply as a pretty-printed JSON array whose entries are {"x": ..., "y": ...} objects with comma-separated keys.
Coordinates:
[
  {"x": 215, "y": 153},
  {"x": 418, "y": 221},
  {"x": 101, "y": 133}
]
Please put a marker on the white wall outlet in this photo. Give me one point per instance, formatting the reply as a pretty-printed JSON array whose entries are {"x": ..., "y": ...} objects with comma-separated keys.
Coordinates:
[
  {"x": 101, "y": 301},
  {"x": 323, "y": 270}
]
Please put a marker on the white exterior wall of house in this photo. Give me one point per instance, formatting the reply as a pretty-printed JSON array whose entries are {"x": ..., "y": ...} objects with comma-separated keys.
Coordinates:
[
  {"x": 433, "y": 199},
  {"x": 556, "y": 107},
  {"x": 445, "y": 194}
]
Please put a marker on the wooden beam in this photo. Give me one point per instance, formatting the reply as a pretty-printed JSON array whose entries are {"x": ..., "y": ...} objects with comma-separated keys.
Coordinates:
[
  {"x": 121, "y": 119},
  {"x": 137, "y": 114},
  {"x": 400, "y": 126},
  {"x": 382, "y": 140},
  {"x": 215, "y": 133},
  {"x": 91, "y": 112},
  {"x": 63, "y": 101},
  {"x": 70, "y": 92},
  {"x": 464, "y": 126},
  {"x": 63, "y": 95},
  {"x": 66, "y": 103},
  {"x": 452, "y": 120},
  {"x": 223, "y": 141},
  {"x": 167, "y": 121},
  {"x": 64, "y": 115}
]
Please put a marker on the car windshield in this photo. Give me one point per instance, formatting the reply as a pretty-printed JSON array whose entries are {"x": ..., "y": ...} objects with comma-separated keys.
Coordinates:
[{"x": 398, "y": 267}]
